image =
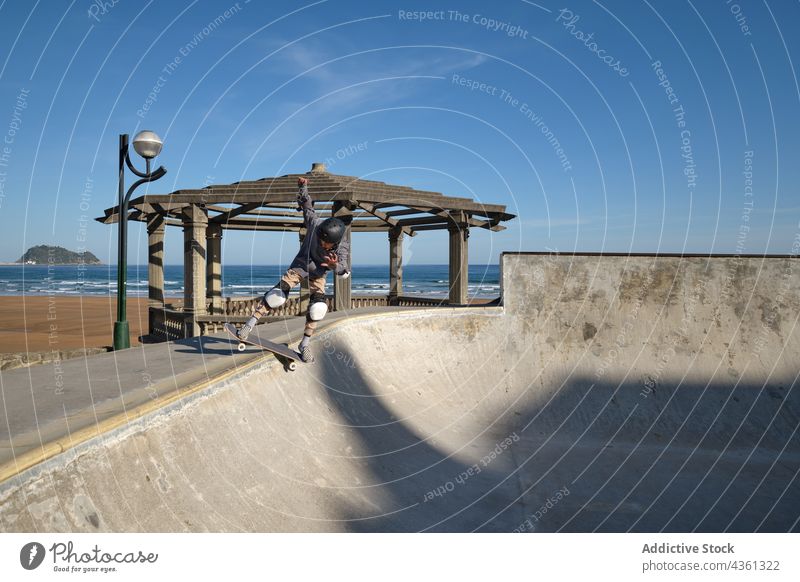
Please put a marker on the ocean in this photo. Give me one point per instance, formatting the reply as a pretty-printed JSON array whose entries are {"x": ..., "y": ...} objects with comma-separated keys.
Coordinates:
[{"x": 238, "y": 280}]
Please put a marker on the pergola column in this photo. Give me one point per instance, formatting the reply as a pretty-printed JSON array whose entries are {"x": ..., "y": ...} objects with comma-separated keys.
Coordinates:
[
  {"x": 195, "y": 221},
  {"x": 395, "y": 264},
  {"x": 459, "y": 279},
  {"x": 155, "y": 267},
  {"x": 342, "y": 289},
  {"x": 214, "y": 266}
]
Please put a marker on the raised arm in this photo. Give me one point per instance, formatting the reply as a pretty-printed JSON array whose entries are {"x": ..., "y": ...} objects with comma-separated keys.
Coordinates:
[{"x": 305, "y": 203}]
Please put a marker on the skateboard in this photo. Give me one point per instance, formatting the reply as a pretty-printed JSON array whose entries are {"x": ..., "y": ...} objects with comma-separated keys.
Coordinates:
[{"x": 287, "y": 356}]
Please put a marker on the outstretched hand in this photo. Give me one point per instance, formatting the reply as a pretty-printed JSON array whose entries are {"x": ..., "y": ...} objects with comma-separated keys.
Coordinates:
[{"x": 331, "y": 260}]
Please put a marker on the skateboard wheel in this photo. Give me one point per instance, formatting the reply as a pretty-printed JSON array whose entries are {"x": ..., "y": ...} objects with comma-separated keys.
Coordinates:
[
  {"x": 292, "y": 366},
  {"x": 241, "y": 347}
]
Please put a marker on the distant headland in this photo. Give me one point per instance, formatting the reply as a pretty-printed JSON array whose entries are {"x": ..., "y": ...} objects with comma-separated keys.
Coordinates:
[{"x": 49, "y": 255}]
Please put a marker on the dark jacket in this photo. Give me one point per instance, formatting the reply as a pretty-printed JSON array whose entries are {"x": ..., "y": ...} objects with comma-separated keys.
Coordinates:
[{"x": 311, "y": 255}]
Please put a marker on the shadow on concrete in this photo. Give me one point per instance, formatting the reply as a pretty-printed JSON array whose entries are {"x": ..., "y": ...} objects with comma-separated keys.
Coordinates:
[
  {"x": 596, "y": 457},
  {"x": 208, "y": 344}
]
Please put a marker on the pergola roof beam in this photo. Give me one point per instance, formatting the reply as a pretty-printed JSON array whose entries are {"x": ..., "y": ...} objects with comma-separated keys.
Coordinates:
[
  {"x": 444, "y": 219},
  {"x": 242, "y": 209},
  {"x": 384, "y": 217},
  {"x": 404, "y": 212},
  {"x": 274, "y": 199}
]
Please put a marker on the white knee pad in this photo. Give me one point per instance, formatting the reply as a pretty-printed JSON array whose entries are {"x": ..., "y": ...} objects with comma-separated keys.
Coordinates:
[
  {"x": 316, "y": 311},
  {"x": 276, "y": 297}
]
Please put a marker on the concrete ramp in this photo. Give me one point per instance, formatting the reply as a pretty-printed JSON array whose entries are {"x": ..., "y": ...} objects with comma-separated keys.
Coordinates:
[{"x": 608, "y": 393}]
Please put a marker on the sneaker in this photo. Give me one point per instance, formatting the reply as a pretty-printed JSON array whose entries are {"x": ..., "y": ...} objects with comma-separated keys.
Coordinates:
[
  {"x": 244, "y": 331},
  {"x": 305, "y": 354}
]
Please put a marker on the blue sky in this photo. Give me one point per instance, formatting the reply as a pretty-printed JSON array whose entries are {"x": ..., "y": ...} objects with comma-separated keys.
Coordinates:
[{"x": 616, "y": 126}]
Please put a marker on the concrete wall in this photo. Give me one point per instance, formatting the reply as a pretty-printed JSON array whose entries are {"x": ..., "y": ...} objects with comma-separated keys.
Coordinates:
[{"x": 11, "y": 360}]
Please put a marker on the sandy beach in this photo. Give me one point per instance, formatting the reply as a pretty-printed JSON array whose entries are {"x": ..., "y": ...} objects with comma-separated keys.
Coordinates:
[{"x": 38, "y": 324}]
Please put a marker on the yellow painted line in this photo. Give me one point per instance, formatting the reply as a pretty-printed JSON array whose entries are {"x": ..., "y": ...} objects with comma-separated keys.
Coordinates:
[
  {"x": 55, "y": 447},
  {"x": 38, "y": 455}
]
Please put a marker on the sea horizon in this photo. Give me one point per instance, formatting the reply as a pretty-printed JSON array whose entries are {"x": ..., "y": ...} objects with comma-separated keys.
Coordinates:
[{"x": 430, "y": 280}]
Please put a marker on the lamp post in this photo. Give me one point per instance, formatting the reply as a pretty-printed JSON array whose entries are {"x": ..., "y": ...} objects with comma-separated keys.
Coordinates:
[{"x": 148, "y": 145}]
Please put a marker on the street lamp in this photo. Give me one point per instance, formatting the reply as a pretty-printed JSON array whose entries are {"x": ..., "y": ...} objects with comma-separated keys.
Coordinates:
[{"x": 148, "y": 145}]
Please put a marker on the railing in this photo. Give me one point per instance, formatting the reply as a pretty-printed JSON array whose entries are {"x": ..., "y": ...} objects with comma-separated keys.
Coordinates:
[
  {"x": 245, "y": 307},
  {"x": 368, "y": 301},
  {"x": 207, "y": 327},
  {"x": 167, "y": 323},
  {"x": 170, "y": 322},
  {"x": 406, "y": 301}
]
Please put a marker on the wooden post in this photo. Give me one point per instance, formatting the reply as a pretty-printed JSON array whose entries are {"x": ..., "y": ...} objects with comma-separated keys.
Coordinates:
[
  {"x": 459, "y": 279},
  {"x": 395, "y": 264},
  {"x": 305, "y": 292},
  {"x": 195, "y": 221},
  {"x": 155, "y": 267},
  {"x": 214, "y": 267},
  {"x": 342, "y": 289}
]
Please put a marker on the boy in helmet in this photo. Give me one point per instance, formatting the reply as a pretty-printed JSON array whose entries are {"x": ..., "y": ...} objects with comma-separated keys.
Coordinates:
[{"x": 324, "y": 249}]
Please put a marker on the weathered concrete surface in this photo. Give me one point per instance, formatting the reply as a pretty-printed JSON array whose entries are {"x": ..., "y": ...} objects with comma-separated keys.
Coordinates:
[
  {"x": 609, "y": 393},
  {"x": 10, "y": 361}
]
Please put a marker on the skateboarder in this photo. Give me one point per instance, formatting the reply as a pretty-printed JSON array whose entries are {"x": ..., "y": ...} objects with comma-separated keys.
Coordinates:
[{"x": 322, "y": 250}]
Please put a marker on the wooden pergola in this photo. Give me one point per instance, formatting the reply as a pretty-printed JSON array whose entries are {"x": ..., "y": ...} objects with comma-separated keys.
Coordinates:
[{"x": 269, "y": 204}]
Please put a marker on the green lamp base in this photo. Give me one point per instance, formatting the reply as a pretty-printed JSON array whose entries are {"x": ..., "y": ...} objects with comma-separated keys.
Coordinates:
[{"x": 122, "y": 336}]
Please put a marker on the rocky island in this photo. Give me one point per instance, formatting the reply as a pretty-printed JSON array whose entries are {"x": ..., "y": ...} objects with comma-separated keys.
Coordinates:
[{"x": 50, "y": 255}]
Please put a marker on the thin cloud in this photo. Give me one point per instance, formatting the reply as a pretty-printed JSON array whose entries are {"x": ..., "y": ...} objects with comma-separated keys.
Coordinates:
[
  {"x": 555, "y": 222},
  {"x": 347, "y": 84}
]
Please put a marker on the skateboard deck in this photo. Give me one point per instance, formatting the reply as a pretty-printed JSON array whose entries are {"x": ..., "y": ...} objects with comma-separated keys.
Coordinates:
[{"x": 288, "y": 356}]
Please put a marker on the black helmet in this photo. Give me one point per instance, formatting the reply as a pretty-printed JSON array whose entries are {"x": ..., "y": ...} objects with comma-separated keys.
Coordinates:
[{"x": 331, "y": 230}]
